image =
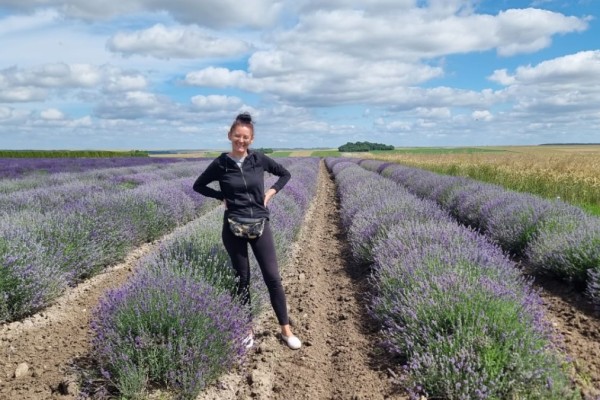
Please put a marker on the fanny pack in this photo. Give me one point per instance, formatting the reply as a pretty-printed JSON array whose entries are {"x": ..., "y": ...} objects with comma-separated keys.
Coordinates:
[{"x": 247, "y": 228}]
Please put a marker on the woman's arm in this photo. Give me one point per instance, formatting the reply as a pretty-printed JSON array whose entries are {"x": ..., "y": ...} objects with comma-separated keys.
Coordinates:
[
  {"x": 273, "y": 167},
  {"x": 210, "y": 174}
]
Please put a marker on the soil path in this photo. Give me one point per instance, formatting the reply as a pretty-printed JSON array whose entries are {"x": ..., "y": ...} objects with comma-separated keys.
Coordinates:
[
  {"x": 327, "y": 300},
  {"x": 579, "y": 324},
  {"x": 327, "y": 296}
]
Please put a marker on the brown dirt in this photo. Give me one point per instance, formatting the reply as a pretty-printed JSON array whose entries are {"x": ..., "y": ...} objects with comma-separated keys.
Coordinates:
[
  {"x": 579, "y": 324},
  {"x": 327, "y": 296}
]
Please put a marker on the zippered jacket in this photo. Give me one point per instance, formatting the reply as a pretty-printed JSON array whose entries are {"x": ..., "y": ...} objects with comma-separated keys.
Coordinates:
[{"x": 243, "y": 189}]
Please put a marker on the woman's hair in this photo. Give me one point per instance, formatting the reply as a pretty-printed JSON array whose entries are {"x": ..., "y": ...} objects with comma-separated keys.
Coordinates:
[{"x": 243, "y": 119}]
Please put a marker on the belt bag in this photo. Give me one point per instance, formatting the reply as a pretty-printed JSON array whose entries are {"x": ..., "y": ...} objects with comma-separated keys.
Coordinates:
[{"x": 247, "y": 228}]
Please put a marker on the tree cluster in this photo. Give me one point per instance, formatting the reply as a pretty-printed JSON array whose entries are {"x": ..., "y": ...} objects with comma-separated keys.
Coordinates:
[{"x": 364, "y": 146}]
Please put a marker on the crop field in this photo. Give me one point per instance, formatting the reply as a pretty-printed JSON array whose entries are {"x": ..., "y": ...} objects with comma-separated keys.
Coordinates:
[
  {"x": 448, "y": 308},
  {"x": 568, "y": 172}
]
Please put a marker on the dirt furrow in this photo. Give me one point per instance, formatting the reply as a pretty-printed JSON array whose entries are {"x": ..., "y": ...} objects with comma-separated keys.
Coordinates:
[{"x": 327, "y": 301}]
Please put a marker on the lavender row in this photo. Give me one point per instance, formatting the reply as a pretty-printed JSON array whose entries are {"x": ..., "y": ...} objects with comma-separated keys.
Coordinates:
[
  {"x": 126, "y": 176},
  {"x": 450, "y": 302},
  {"x": 175, "y": 322},
  {"x": 12, "y": 168},
  {"x": 50, "y": 246},
  {"x": 73, "y": 189},
  {"x": 553, "y": 237}
]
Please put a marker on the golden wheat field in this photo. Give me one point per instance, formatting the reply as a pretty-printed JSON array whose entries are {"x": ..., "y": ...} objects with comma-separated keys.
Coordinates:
[{"x": 569, "y": 172}]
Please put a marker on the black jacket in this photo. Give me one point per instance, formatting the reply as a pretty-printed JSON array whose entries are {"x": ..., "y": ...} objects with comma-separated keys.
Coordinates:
[{"x": 242, "y": 189}]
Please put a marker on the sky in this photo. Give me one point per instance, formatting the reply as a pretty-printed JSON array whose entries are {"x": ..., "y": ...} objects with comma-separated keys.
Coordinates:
[{"x": 173, "y": 74}]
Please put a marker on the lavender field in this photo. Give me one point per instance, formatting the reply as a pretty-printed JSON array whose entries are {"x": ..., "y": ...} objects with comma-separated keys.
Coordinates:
[
  {"x": 467, "y": 322},
  {"x": 450, "y": 304}
]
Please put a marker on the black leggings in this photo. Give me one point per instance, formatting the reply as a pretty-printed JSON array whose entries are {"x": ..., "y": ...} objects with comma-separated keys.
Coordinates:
[{"x": 264, "y": 251}]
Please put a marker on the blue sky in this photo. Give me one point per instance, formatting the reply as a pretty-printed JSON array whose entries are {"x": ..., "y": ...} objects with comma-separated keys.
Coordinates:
[{"x": 164, "y": 74}]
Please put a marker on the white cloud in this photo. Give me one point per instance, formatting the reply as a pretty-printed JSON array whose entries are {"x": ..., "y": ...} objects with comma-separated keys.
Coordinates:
[
  {"x": 360, "y": 56},
  {"x": 501, "y": 76},
  {"x": 529, "y": 30},
  {"x": 482, "y": 115},
  {"x": 136, "y": 105},
  {"x": 36, "y": 83},
  {"x": 181, "y": 42},
  {"x": 212, "y": 13},
  {"x": 216, "y": 102},
  {"x": 216, "y": 77},
  {"x": 53, "y": 75},
  {"x": 579, "y": 69},
  {"x": 118, "y": 81},
  {"x": 16, "y": 24},
  {"x": 568, "y": 83},
  {"x": 52, "y": 114},
  {"x": 435, "y": 113},
  {"x": 17, "y": 94}
]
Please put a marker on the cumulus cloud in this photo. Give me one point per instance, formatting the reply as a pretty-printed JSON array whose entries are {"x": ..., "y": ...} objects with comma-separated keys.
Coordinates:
[
  {"x": 216, "y": 102},
  {"x": 482, "y": 115},
  {"x": 15, "y": 24},
  {"x": 53, "y": 75},
  {"x": 357, "y": 54},
  {"x": 52, "y": 114},
  {"x": 435, "y": 113},
  {"x": 211, "y": 13},
  {"x": 529, "y": 30},
  {"x": 135, "y": 105},
  {"x": 179, "y": 42},
  {"x": 568, "y": 83},
  {"x": 116, "y": 80},
  {"x": 216, "y": 77},
  {"x": 36, "y": 83}
]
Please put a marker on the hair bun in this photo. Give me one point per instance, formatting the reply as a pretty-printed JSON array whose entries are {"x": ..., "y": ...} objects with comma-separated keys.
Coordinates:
[{"x": 244, "y": 117}]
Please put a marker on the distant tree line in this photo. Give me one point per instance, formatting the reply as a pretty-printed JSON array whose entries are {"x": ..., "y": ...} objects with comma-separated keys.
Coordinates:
[
  {"x": 263, "y": 150},
  {"x": 70, "y": 153},
  {"x": 364, "y": 146}
]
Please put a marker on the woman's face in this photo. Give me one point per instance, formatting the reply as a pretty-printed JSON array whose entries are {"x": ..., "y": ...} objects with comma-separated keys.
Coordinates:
[{"x": 241, "y": 138}]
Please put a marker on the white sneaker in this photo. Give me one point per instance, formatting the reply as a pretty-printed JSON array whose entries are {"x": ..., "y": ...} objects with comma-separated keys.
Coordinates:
[
  {"x": 248, "y": 341},
  {"x": 292, "y": 341}
]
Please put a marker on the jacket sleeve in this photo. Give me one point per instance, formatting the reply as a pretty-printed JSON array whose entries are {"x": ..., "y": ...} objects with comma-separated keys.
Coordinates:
[
  {"x": 210, "y": 174},
  {"x": 276, "y": 169}
]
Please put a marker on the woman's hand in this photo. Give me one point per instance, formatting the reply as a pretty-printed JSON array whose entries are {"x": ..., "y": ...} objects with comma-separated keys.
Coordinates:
[
  {"x": 225, "y": 203},
  {"x": 268, "y": 194}
]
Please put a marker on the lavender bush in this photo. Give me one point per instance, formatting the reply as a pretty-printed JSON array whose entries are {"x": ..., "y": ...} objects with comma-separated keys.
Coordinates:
[
  {"x": 470, "y": 326},
  {"x": 164, "y": 328},
  {"x": 567, "y": 245},
  {"x": 553, "y": 237},
  {"x": 26, "y": 284}
]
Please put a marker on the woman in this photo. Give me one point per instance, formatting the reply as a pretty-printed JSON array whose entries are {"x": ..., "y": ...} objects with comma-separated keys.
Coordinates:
[{"x": 240, "y": 174}]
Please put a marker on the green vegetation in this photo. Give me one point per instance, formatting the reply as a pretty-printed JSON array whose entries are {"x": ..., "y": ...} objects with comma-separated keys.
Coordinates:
[
  {"x": 281, "y": 154},
  {"x": 325, "y": 153},
  {"x": 263, "y": 150},
  {"x": 438, "y": 150},
  {"x": 70, "y": 153},
  {"x": 364, "y": 146}
]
